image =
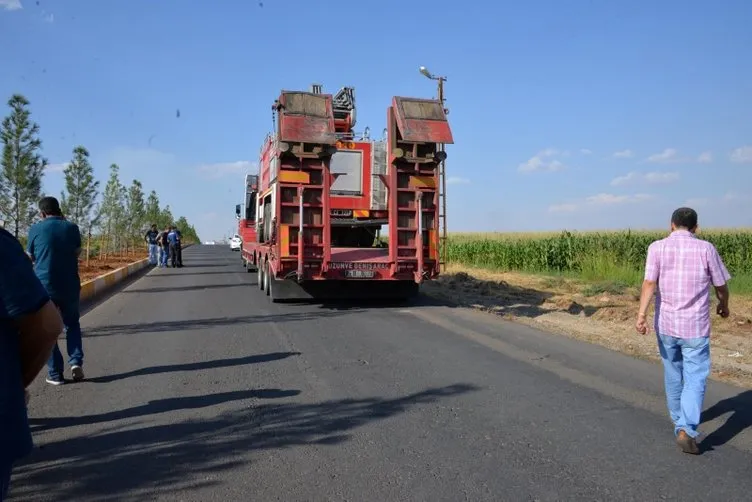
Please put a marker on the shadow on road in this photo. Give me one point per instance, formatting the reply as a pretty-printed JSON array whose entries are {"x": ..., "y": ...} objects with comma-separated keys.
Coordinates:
[
  {"x": 740, "y": 407},
  {"x": 159, "y": 406},
  {"x": 193, "y": 264},
  {"x": 197, "y": 287},
  {"x": 197, "y": 366},
  {"x": 210, "y": 272},
  {"x": 208, "y": 323},
  {"x": 193, "y": 454}
]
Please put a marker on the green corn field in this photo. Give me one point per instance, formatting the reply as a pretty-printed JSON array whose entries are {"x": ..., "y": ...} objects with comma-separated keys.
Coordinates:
[{"x": 593, "y": 255}]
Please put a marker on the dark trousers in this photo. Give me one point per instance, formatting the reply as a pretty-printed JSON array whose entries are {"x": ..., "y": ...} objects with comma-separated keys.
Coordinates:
[
  {"x": 173, "y": 255},
  {"x": 180, "y": 254},
  {"x": 69, "y": 311}
]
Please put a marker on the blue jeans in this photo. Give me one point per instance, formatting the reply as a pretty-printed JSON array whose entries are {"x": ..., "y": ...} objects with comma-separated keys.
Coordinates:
[
  {"x": 152, "y": 254},
  {"x": 70, "y": 314},
  {"x": 163, "y": 254},
  {"x": 686, "y": 365},
  {"x": 5, "y": 472}
]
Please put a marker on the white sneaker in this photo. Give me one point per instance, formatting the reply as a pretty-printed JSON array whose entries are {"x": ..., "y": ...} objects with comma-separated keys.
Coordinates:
[
  {"x": 54, "y": 382},
  {"x": 77, "y": 372}
]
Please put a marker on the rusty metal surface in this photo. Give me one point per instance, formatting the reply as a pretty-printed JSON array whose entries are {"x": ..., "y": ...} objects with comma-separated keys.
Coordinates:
[
  {"x": 306, "y": 118},
  {"x": 422, "y": 120}
]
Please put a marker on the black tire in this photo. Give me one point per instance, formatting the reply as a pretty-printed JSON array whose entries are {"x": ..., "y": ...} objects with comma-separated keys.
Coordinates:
[
  {"x": 267, "y": 280},
  {"x": 260, "y": 276}
]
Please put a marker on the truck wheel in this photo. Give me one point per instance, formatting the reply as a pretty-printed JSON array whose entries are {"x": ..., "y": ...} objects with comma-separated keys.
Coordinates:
[
  {"x": 260, "y": 276},
  {"x": 267, "y": 280}
]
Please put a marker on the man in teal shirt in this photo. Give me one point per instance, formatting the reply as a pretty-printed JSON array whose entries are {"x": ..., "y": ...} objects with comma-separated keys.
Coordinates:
[{"x": 54, "y": 246}]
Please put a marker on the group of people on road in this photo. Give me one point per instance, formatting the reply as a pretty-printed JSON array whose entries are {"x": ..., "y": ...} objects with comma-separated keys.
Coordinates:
[
  {"x": 39, "y": 299},
  {"x": 167, "y": 243},
  {"x": 37, "y": 303}
]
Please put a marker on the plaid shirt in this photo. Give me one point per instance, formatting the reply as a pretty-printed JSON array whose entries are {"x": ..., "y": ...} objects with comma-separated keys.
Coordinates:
[{"x": 684, "y": 267}]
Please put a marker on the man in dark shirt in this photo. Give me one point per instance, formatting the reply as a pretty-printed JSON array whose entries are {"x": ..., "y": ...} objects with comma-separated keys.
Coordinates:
[
  {"x": 172, "y": 238},
  {"x": 164, "y": 251},
  {"x": 151, "y": 241},
  {"x": 54, "y": 246},
  {"x": 179, "y": 247},
  {"x": 29, "y": 327}
]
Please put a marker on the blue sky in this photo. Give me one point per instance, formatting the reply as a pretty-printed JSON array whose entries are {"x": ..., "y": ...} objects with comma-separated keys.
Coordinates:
[{"x": 566, "y": 114}]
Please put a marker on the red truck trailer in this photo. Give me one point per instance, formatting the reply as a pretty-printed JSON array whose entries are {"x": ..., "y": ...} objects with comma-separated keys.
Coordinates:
[{"x": 314, "y": 212}]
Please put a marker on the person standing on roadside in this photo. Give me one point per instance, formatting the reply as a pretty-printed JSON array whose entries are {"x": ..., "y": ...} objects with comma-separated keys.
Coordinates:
[
  {"x": 179, "y": 246},
  {"x": 151, "y": 241},
  {"x": 172, "y": 238},
  {"x": 164, "y": 246},
  {"x": 54, "y": 246},
  {"x": 681, "y": 269},
  {"x": 29, "y": 326}
]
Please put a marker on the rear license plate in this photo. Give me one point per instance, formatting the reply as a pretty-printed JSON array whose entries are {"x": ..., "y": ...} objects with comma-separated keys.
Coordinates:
[{"x": 359, "y": 274}]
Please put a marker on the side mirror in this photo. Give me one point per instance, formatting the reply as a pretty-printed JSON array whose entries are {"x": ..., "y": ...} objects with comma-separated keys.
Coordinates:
[{"x": 237, "y": 210}]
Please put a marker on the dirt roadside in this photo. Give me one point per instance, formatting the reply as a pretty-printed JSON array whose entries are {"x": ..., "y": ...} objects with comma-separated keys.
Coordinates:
[
  {"x": 99, "y": 267},
  {"x": 600, "y": 315}
]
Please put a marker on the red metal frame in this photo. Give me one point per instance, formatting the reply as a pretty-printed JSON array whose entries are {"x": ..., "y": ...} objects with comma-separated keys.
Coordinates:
[
  {"x": 362, "y": 201},
  {"x": 313, "y": 260}
]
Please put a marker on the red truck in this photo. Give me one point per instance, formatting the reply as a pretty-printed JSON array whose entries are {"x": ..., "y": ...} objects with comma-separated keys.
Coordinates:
[{"x": 312, "y": 218}]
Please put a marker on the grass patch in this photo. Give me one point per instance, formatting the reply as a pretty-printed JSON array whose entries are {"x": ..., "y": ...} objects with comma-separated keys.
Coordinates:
[
  {"x": 610, "y": 262},
  {"x": 606, "y": 288}
]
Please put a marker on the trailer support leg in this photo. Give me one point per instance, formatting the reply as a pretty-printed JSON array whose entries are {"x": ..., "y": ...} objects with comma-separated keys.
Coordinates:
[{"x": 300, "y": 234}]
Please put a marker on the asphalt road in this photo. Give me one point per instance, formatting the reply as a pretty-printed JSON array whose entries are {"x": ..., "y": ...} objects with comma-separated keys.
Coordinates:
[{"x": 199, "y": 389}]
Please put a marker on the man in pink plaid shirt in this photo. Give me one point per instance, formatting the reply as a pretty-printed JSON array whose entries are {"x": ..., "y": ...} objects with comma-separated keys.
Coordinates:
[{"x": 682, "y": 267}]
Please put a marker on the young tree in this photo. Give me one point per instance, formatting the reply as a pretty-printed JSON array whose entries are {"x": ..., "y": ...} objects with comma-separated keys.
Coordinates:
[
  {"x": 82, "y": 189},
  {"x": 165, "y": 217},
  {"x": 135, "y": 209},
  {"x": 188, "y": 232},
  {"x": 22, "y": 166},
  {"x": 152, "y": 208},
  {"x": 112, "y": 212}
]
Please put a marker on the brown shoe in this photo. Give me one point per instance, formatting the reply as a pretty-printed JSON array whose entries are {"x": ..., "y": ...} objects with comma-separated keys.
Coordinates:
[{"x": 687, "y": 443}]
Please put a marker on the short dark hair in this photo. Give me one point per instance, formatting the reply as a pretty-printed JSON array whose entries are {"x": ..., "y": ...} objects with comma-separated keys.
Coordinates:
[
  {"x": 50, "y": 205},
  {"x": 684, "y": 217}
]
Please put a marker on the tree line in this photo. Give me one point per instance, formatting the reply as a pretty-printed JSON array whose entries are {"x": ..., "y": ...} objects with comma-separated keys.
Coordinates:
[{"x": 115, "y": 219}]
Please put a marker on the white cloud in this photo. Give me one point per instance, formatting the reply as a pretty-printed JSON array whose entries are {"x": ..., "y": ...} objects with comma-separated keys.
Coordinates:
[
  {"x": 455, "y": 180},
  {"x": 742, "y": 155},
  {"x": 705, "y": 158},
  {"x": 221, "y": 169},
  {"x": 11, "y": 4},
  {"x": 661, "y": 177},
  {"x": 601, "y": 199},
  {"x": 624, "y": 154},
  {"x": 543, "y": 161},
  {"x": 727, "y": 198},
  {"x": 652, "y": 178},
  {"x": 57, "y": 168},
  {"x": 608, "y": 198},
  {"x": 562, "y": 208},
  {"x": 623, "y": 180},
  {"x": 666, "y": 156},
  {"x": 586, "y": 151}
]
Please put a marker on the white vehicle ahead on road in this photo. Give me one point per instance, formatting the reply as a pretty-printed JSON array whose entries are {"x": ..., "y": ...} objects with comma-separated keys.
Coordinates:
[{"x": 235, "y": 243}]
